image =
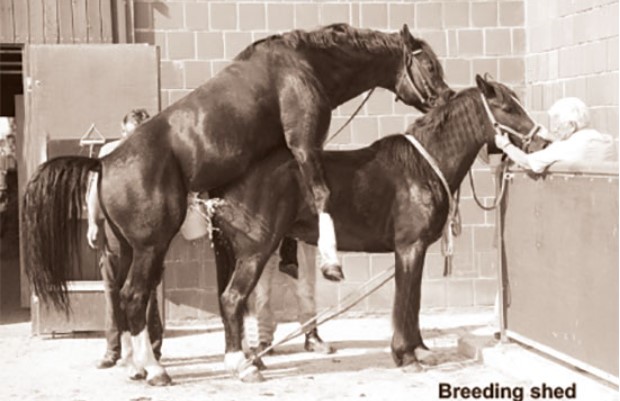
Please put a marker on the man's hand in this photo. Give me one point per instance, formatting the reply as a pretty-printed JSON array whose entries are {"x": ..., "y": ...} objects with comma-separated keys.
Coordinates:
[
  {"x": 92, "y": 234},
  {"x": 501, "y": 141}
]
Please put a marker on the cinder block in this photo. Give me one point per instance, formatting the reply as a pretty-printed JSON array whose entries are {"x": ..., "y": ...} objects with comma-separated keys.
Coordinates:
[
  {"x": 400, "y": 14},
  {"x": 197, "y": 16},
  {"x": 488, "y": 264},
  {"x": 389, "y": 125},
  {"x": 438, "y": 41},
  {"x": 497, "y": 41},
  {"x": 458, "y": 71},
  {"x": 602, "y": 90},
  {"x": 374, "y": 16},
  {"x": 223, "y": 16},
  {"x": 307, "y": 16},
  {"x": 485, "y": 65},
  {"x": 612, "y": 54},
  {"x": 344, "y": 292},
  {"x": 512, "y": 70},
  {"x": 356, "y": 267},
  {"x": 453, "y": 43},
  {"x": 484, "y": 14},
  {"x": 471, "y": 213},
  {"x": 210, "y": 45},
  {"x": 434, "y": 294},
  {"x": 484, "y": 238},
  {"x": 470, "y": 42},
  {"x": 170, "y": 276},
  {"x": 188, "y": 275},
  {"x": 511, "y": 13},
  {"x": 280, "y": 17},
  {"x": 207, "y": 277},
  {"x": 348, "y": 108},
  {"x": 252, "y": 17},
  {"x": 484, "y": 182},
  {"x": 485, "y": 292},
  {"x": 456, "y": 15},
  {"x": 365, "y": 130},
  {"x": 331, "y": 13},
  {"x": 181, "y": 45},
  {"x": 344, "y": 136},
  {"x": 433, "y": 266},
  {"x": 460, "y": 292},
  {"x": 464, "y": 243},
  {"x": 196, "y": 73},
  {"x": 380, "y": 262},
  {"x": 171, "y": 74},
  {"x": 143, "y": 15},
  {"x": 235, "y": 42},
  {"x": 428, "y": 16},
  {"x": 176, "y": 94},
  {"x": 382, "y": 300},
  {"x": 326, "y": 294},
  {"x": 518, "y": 41},
  {"x": 380, "y": 103},
  {"x": 168, "y": 16}
]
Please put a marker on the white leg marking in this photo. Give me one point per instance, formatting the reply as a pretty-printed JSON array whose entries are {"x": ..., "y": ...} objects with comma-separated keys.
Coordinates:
[
  {"x": 143, "y": 354},
  {"x": 233, "y": 360},
  {"x": 327, "y": 239}
]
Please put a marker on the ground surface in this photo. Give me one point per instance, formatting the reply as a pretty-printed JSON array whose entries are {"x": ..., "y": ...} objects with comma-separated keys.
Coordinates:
[{"x": 34, "y": 368}]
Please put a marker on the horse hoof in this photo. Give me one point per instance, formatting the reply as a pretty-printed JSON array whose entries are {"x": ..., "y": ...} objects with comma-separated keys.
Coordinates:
[
  {"x": 414, "y": 367},
  {"x": 332, "y": 272},
  {"x": 137, "y": 375},
  {"x": 160, "y": 380},
  {"x": 251, "y": 374}
]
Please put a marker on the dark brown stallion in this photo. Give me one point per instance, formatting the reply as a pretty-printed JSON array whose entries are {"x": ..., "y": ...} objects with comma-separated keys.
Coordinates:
[
  {"x": 277, "y": 93},
  {"x": 385, "y": 198}
]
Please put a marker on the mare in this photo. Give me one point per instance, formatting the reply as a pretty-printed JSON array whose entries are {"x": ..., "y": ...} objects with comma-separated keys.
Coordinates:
[
  {"x": 279, "y": 92},
  {"x": 385, "y": 198}
]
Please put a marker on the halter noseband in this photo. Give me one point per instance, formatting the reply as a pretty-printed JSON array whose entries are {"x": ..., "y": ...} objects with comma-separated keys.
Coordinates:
[
  {"x": 409, "y": 74},
  {"x": 499, "y": 127}
]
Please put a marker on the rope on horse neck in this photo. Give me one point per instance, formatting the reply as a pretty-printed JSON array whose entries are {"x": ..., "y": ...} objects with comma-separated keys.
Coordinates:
[
  {"x": 351, "y": 117},
  {"x": 453, "y": 223}
]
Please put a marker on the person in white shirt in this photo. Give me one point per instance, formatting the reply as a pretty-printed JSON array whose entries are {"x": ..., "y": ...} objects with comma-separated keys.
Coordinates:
[
  {"x": 110, "y": 266},
  {"x": 572, "y": 140}
]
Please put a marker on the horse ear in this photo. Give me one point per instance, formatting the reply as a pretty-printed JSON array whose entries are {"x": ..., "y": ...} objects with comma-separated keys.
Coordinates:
[
  {"x": 407, "y": 37},
  {"x": 487, "y": 89}
]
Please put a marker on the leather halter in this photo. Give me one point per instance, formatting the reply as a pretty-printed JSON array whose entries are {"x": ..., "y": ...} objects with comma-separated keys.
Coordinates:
[
  {"x": 499, "y": 127},
  {"x": 410, "y": 78}
]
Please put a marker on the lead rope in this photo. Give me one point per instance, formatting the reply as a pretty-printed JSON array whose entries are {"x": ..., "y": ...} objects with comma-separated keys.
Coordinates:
[
  {"x": 498, "y": 197},
  {"x": 335, "y": 134}
]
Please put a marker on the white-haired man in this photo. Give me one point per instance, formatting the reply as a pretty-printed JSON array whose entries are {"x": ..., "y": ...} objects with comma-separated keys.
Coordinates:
[{"x": 571, "y": 139}]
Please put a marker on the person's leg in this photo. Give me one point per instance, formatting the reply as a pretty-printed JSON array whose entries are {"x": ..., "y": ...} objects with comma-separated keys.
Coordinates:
[
  {"x": 262, "y": 308},
  {"x": 109, "y": 262},
  {"x": 154, "y": 324},
  {"x": 304, "y": 290},
  {"x": 288, "y": 257}
]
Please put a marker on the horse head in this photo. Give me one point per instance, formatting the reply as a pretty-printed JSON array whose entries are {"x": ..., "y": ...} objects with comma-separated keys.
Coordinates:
[
  {"x": 420, "y": 81},
  {"x": 508, "y": 116}
]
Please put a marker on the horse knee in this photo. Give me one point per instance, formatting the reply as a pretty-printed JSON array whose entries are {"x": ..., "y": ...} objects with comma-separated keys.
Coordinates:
[
  {"x": 230, "y": 303},
  {"x": 134, "y": 303}
]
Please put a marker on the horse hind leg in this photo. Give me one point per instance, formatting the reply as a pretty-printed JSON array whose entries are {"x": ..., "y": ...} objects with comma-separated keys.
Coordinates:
[
  {"x": 143, "y": 277},
  {"x": 408, "y": 348}
]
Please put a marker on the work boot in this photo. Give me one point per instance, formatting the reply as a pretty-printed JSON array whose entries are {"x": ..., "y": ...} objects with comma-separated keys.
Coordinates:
[
  {"x": 315, "y": 344},
  {"x": 108, "y": 361}
]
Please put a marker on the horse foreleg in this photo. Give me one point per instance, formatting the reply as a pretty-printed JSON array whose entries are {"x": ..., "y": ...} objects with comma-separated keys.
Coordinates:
[
  {"x": 143, "y": 277},
  {"x": 407, "y": 345},
  {"x": 233, "y": 301}
]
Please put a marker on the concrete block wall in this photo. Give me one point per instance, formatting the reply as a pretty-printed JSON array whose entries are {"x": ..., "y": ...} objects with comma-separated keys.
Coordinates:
[
  {"x": 198, "y": 38},
  {"x": 572, "y": 50}
]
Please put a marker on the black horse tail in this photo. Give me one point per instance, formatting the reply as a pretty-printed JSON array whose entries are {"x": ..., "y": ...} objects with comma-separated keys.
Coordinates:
[{"x": 54, "y": 200}]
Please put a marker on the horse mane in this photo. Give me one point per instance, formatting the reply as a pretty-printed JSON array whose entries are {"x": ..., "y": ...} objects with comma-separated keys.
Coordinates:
[
  {"x": 443, "y": 124},
  {"x": 339, "y": 35}
]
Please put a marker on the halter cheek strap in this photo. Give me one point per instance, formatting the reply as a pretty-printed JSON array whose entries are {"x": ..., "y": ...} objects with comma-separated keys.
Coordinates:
[
  {"x": 499, "y": 127},
  {"x": 409, "y": 74}
]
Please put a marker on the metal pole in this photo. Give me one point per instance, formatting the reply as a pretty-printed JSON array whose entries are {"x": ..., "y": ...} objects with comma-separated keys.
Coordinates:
[{"x": 503, "y": 175}]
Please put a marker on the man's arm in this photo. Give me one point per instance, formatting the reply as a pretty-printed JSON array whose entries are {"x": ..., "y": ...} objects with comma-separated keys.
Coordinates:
[{"x": 93, "y": 209}]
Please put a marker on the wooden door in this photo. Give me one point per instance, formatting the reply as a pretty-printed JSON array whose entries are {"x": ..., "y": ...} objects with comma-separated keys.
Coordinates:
[{"x": 68, "y": 88}]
